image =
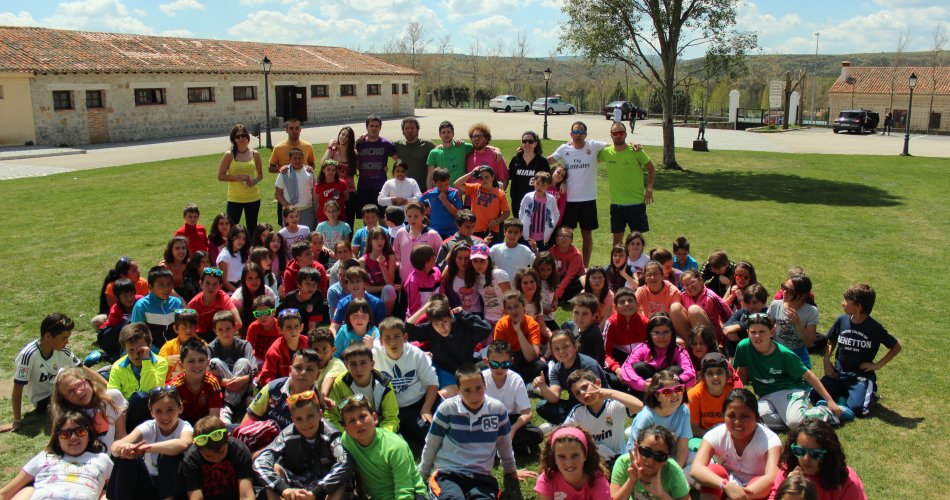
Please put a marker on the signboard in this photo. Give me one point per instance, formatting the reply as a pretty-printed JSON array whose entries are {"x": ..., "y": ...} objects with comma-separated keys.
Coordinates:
[{"x": 776, "y": 88}]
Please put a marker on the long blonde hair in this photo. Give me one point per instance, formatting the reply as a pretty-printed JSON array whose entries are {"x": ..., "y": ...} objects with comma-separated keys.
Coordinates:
[{"x": 100, "y": 399}]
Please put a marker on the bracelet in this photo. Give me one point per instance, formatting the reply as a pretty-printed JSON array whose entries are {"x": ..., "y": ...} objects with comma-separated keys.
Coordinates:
[{"x": 722, "y": 487}]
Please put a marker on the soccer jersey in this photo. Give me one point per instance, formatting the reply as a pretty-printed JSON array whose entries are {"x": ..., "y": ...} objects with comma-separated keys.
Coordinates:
[
  {"x": 195, "y": 404},
  {"x": 581, "y": 165},
  {"x": 605, "y": 426},
  {"x": 37, "y": 372}
]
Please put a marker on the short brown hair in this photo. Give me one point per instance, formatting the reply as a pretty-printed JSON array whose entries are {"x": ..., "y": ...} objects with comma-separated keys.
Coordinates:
[
  {"x": 586, "y": 299},
  {"x": 862, "y": 295},
  {"x": 223, "y": 316},
  {"x": 134, "y": 332}
]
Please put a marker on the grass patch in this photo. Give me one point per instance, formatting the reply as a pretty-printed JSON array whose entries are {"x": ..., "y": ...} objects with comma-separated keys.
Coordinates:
[{"x": 872, "y": 219}]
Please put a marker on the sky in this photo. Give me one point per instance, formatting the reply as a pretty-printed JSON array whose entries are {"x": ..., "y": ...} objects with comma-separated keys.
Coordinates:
[{"x": 784, "y": 27}]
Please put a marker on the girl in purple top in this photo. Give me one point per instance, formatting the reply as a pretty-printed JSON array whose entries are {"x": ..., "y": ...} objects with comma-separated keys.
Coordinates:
[{"x": 659, "y": 352}]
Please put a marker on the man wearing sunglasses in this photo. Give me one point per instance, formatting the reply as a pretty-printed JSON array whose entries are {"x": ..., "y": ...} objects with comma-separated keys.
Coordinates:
[{"x": 628, "y": 198}]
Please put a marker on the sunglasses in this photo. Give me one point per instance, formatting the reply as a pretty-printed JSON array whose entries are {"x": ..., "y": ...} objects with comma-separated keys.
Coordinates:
[
  {"x": 180, "y": 312},
  {"x": 499, "y": 364},
  {"x": 212, "y": 270},
  {"x": 301, "y": 396},
  {"x": 289, "y": 310},
  {"x": 527, "y": 141},
  {"x": 215, "y": 436},
  {"x": 618, "y": 134},
  {"x": 578, "y": 132},
  {"x": 657, "y": 456},
  {"x": 758, "y": 316},
  {"x": 239, "y": 136},
  {"x": 669, "y": 391},
  {"x": 815, "y": 453},
  {"x": 168, "y": 389},
  {"x": 346, "y": 402},
  {"x": 79, "y": 432},
  {"x": 743, "y": 276},
  {"x": 259, "y": 313},
  {"x": 331, "y": 162}
]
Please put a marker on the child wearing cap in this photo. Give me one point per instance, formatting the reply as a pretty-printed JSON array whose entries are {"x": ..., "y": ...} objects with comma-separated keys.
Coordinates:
[
  {"x": 706, "y": 398},
  {"x": 489, "y": 202}
]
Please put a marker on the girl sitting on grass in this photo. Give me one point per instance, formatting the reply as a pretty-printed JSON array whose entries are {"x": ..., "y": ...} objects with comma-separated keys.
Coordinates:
[{"x": 571, "y": 467}]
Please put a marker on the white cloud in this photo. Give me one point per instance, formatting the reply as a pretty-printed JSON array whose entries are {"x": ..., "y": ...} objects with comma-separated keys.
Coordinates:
[
  {"x": 21, "y": 18},
  {"x": 484, "y": 28},
  {"x": 294, "y": 26},
  {"x": 170, "y": 9},
  {"x": 108, "y": 15},
  {"x": 140, "y": 12},
  {"x": 459, "y": 9}
]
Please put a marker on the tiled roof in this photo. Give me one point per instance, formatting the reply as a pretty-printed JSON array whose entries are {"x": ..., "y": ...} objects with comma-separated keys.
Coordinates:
[
  {"x": 42, "y": 50},
  {"x": 878, "y": 80}
]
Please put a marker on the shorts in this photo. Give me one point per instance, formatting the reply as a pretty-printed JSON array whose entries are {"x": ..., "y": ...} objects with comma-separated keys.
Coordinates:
[
  {"x": 583, "y": 212},
  {"x": 634, "y": 216}
]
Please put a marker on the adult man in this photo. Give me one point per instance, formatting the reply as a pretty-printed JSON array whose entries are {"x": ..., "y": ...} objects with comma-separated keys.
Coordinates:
[
  {"x": 483, "y": 154},
  {"x": 375, "y": 152},
  {"x": 450, "y": 156},
  {"x": 628, "y": 199},
  {"x": 580, "y": 159},
  {"x": 414, "y": 151},
  {"x": 281, "y": 155}
]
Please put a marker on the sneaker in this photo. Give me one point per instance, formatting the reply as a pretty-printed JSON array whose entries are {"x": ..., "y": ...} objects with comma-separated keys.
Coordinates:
[
  {"x": 93, "y": 358},
  {"x": 847, "y": 414},
  {"x": 546, "y": 428}
]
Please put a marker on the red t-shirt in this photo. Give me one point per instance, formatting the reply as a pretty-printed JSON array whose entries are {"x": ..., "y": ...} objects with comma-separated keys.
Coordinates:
[
  {"x": 196, "y": 405},
  {"x": 261, "y": 339},
  {"x": 196, "y": 235},
  {"x": 221, "y": 302},
  {"x": 335, "y": 190}
]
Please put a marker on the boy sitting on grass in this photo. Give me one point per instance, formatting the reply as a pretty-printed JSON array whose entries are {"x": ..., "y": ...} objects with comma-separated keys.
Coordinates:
[
  {"x": 210, "y": 301},
  {"x": 603, "y": 412},
  {"x": 460, "y": 458},
  {"x": 232, "y": 361},
  {"x": 387, "y": 469},
  {"x": 412, "y": 376},
  {"x": 363, "y": 380},
  {"x": 38, "y": 362},
  {"x": 198, "y": 387},
  {"x": 157, "y": 309},
  {"x": 138, "y": 372},
  {"x": 263, "y": 331},
  {"x": 217, "y": 466},
  {"x": 452, "y": 338},
  {"x": 278, "y": 358},
  {"x": 307, "y": 300},
  {"x": 330, "y": 367},
  {"x": 356, "y": 280},
  {"x": 566, "y": 361},
  {"x": 707, "y": 397},
  {"x": 306, "y": 459},
  {"x": 186, "y": 328},
  {"x": 509, "y": 389}
]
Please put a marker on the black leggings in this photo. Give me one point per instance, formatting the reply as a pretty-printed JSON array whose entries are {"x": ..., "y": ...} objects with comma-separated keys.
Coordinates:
[{"x": 251, "y": 210}]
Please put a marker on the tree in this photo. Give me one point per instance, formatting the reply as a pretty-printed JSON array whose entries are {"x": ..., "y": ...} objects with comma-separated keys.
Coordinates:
[
  {"x": 650, "y": 36},
  {"x": 936, "y": 56},
  {"x": 618, "y": 93},
  {"x": 903, "y": 40}
]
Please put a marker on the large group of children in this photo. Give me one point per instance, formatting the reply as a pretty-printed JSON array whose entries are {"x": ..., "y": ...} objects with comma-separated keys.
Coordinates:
[{"x": 312, "y": 362}]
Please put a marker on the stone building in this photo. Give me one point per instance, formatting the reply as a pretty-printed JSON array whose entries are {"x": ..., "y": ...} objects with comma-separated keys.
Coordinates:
[
  {"x": 61, "y": 87},
  {"x": 871, "y": 89}
]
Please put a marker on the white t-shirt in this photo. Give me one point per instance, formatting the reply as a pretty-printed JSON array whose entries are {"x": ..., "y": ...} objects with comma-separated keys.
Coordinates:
[
  {"x": 640, "y": 263},
  {"x": 511, "y": 259},
  {"x": 235, "y": 266},
  {"x": 152, "y": 434},
  {"x": 69, "y": 478},
  {"x": 305, "y": 185},
  {"x": 605, "y": 427},
  {"x": 581, "y": 165},
  {"x": 37, "y": 373},
  {"x": 237, "y": 298},
  {"x": 513, "y": 393},
  {"x": 752, "y": 462},
  {"x": 410, "y": 375},
  {"x": 492, "y": 295},
  {"x": 104, "y": 420},
  {"x": 393, "y": 188},
  {"x": 291, "y": 238}
]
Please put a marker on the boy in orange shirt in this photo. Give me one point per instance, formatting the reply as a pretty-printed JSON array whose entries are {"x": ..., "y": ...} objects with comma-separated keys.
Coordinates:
[
  {"x": 523, "y": 334},
  {"x": 186, "y": 328},
  {"x": 489, "y": 202},
  {"x": 706, "y": 397}
]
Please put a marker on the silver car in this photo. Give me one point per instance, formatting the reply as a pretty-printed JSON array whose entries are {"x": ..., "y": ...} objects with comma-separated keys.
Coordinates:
[
  {"x": 508, "y": 103},
  {"x": 555, "y": 106}
]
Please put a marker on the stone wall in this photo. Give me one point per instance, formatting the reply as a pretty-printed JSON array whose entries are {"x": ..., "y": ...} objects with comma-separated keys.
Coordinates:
[
  {"x": 881, "y": 102},
  {"x": 16, "y": 117},
  {"x": 121, "y": 120}
]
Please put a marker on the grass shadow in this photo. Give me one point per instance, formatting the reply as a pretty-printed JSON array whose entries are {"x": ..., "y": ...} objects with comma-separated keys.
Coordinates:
[
  {"x": 783, "y": 188},
  {"x": 890, "y": 416}
]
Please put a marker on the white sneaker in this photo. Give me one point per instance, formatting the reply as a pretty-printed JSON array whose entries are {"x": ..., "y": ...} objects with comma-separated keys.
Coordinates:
[{"x": 546, "y": 428}]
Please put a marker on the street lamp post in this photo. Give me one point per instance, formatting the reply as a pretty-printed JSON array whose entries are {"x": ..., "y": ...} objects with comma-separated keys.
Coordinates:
[
  {"x": 911, "y": 82},
  {"x": 547, "y": 78},
  {"x": 814, "y": 82},
  {"x": 265, "y": 66}
]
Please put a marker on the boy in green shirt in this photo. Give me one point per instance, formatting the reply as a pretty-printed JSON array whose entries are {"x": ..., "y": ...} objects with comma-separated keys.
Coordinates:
[{"x": 385, "y": 464}]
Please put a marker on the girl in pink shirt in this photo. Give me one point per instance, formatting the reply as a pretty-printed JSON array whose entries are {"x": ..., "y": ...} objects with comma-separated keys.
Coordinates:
[{"x": 571, "y": 467}]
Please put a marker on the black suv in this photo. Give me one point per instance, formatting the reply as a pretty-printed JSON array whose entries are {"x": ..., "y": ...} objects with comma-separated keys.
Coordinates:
[{"x": 857, "y": 120}]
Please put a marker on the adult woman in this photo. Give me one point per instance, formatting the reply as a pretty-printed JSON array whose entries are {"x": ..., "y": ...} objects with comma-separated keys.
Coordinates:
[
  {"x": 813, "y": 450},
  {"x": 343, "y": 151},
  {"x": 528, "y": 161},
  {"x": 241, "y": 169}
]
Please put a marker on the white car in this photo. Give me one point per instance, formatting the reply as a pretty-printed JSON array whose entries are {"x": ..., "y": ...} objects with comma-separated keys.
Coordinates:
[
  {"x": 508, "y": 103},
  {"x": 555, "y": 106}
]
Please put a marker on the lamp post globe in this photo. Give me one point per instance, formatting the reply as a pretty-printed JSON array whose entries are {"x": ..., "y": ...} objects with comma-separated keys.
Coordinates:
[
  {"x": 547, "y": 78},
  {"x": 911, "y": 82},
  {"x": 265, "y": 67}
]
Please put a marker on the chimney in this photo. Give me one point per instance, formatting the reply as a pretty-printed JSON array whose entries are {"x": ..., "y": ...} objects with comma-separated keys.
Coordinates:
[{"x": 845, "y": 70}]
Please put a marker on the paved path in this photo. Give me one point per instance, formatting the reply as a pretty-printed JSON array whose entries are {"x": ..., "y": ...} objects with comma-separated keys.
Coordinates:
[{"x": 503, "y": 125}]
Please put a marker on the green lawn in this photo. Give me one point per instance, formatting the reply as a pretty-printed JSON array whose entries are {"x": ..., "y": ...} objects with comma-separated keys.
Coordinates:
[{"x": 845, "y": 219}]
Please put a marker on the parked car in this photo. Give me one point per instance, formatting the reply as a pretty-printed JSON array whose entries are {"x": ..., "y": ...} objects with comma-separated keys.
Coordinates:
[
  {"x": 555, "y": 106},
  {"x": 857, "y": 120},
  {"x": 508, "y": 103},
  {"x": 626, "y": 107}
]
